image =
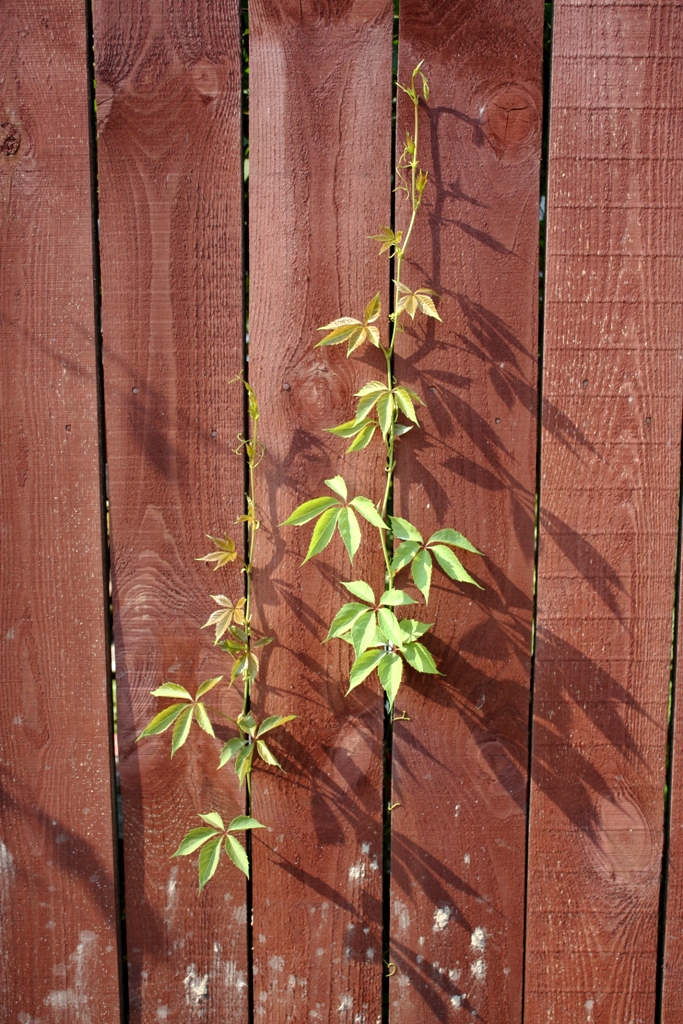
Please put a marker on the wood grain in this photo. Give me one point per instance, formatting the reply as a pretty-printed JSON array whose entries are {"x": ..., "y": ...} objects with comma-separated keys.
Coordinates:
[
  {"x": 460, "y": 762},
  {"x": 320, "y": 131},
  {"x": 58, "y": 941},
  {"x": 609, "y": 502},
  {"x": 170, "y": 176}
]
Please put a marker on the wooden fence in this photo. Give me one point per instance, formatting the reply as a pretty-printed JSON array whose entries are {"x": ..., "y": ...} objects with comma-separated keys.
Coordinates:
[{"x": 536, "y": 843}]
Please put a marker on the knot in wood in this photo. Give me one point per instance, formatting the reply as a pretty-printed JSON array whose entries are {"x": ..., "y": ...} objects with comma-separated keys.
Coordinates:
[
  {"x": 510, "y": 121},
  {"x": 10, "y": 137}
]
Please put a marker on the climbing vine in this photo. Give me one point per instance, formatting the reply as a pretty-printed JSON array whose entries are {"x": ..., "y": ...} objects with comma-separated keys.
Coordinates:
[{"x": 383, "y": 638}]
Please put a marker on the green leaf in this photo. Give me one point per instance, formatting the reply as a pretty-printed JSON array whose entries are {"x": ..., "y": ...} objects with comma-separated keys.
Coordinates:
[
  {"x": 237, "y": 854},
  {"x": 207, "y": 685},
  {"x": 181, "y": 730},
  {"x": 389, "y": 625},
  {"x": 372, "y": 310},
  {"x": 404, "y": 554},
  {"x": 162, "y": 721},
  {"x": 273, "y": 722},
  {"x": 422, "y": 572},
  {"x": 420, "y": 658},
  {"x": 247, "y": 723},
  {"x": 242, "y": 822},
  {"x": 368, "y": 511},
  {"x": 412, "y": 629},
  {"x": 214, "y": 819},
  {"x": 193, "y": 840},
  {"x": 243, "y": 762},
  {"x": 362, "y": 590},
  {"x": 203, "y": 720},
  {"x": 172, "y": 690},
  {"x": 267, "y": 755},
  {"x": 385, "y": 413},
  {"x": 231, "y": 748},
  {"x": 344, "y": 619},
  {"x": 451, "y": 565},
  {"x": 404, "y": 530},
  {"x": 338, "y": 485},
  {"x": 372, "y": 387},
  {"x": 350, "y": 531},
  {"x": 348, "y": 429},
  {"x": 405, "y": 403},
  {"x": 396, "y": 597},
  {"x": 208, "y": 861},
  {"x": 454, "y": 538},
  {"x": 323, "y": 532},
  {"x": 401, "y": 428},
  {"x": 363, "y": 666},
  {"x": 363, "y": 631},
  {"x": 343, "y": 329},
  {"x": 390, "y": 672},
  {"x": 369, "y": 400},
  {"x": 261, "y": 642},
  {"x": 364, "y": 437},
  {"x": 309, "y": 510}
]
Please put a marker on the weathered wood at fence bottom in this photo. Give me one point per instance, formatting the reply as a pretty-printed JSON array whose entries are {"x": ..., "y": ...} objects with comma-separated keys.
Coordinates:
[
  {"x": 460, "y": 763},
  {"x": 170, "y": 177},
  {"x": 58, "y": 953},
  {"x": 320, "y": 138},
  {"x": 609, "y": 500}
]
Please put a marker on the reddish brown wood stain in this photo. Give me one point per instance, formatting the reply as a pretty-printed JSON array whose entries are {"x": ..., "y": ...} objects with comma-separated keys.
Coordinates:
[
  {"x": 58, "y": 945},
  {"x": 460, "y": 763},
  {"x": 170, "y": 176},
  {"x": 320, "y": 130},
  {"x": 609, "y": 494}
]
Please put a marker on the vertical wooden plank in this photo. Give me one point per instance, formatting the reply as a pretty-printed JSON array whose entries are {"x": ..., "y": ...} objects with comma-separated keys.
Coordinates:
[
  {"x": 58, "y": 943},
  {"x": 609, "y": 503},
  {"x": 320, "y": 131},
  {"x": 673, "y": 936},
  {"x": 460, "y": 761},
  {"x": 170, "y": 174}
]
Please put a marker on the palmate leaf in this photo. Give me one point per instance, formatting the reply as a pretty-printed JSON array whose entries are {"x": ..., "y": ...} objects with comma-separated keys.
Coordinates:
[
  {"x": 389, "y": 239},
  {"x": 353, "y": 331},
  {"x": 226, "y": 551},
  {"x": 411, "y": 301}
]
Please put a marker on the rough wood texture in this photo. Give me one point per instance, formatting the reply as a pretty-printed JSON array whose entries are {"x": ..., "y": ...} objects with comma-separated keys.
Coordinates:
[
  {"x": 460, "y": 763},
  {"x": 58, "y": 945},
  {"x": 609, "y": 496},
  {"x": 673, "y": 947},
  {"x": 320, "y": 130},
  {"x": 170, "y": 176}
]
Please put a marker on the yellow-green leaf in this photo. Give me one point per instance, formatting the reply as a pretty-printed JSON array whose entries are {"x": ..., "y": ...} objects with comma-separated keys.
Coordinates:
[
  {"x": 181, "y": 729},
  {"x": 323, "y": 532}
]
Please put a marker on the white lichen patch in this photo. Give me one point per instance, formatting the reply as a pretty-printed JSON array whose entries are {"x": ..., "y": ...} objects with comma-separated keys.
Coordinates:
[
  {"x": 365, "y": 848},
  {"x": 478, "y": 939},
  {"x": 454, "y": 974},
  {"x": 456, "y": 1002},
  {"x": 356, "y": 871},
  {"x": 276, "y": 963},
  {"x": 345, "y": 1002},
  {"x": 478, "y": 969},
  {"x": 196, "y": 986},
  {"x": 234, "y": 978},
  {"x": 402, "y": 914},
  {"x": 466, "y": 859},
  {"x": 442, "y": 916}
]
